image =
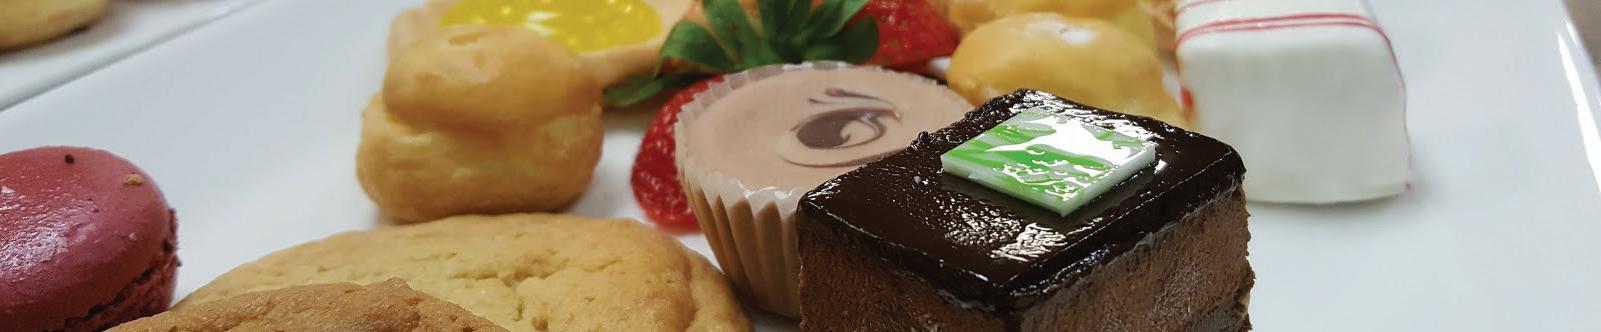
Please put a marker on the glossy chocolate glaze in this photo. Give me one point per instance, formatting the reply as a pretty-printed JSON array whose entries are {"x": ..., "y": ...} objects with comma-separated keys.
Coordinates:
[{"x": 999, "y": 253}]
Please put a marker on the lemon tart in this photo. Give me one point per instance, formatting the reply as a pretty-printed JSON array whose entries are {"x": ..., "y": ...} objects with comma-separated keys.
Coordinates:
[{"x": 615, "y": 38}]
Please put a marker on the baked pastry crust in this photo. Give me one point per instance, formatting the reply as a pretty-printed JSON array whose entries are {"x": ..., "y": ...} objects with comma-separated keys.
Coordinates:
[
  {"x": 525, "y": 272},
  {"x": 387, "y": 306},
  {"x": 1090, "y": 61},
  {"x": 480, "y": 120},
  {"x": 28, "y": 22},
  {"x": 610, "y": 66},
  {"x": 1144, "y": 19}
]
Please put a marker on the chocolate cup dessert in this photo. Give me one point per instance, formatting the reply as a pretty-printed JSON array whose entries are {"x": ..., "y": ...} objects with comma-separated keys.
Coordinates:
[
  {"x": 750, "y": 146},
  {"x": 899, "y": 245}
]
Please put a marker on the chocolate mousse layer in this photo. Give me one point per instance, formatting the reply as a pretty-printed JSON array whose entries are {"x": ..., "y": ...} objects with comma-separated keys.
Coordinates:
[
  {"x": 898, "y": 244},
  {"x": 749, "y": 147}
]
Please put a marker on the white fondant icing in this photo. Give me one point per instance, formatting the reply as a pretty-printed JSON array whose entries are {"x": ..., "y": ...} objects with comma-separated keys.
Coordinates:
[
  {"x": 1307, "y": 91},
  {"x": 1193, "y": 13}
]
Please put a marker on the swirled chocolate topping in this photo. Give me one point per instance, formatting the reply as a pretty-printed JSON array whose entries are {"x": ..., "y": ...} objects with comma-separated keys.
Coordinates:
[
  {"x": 839, "y": 128},
  {"x": 800, "y": 128}
]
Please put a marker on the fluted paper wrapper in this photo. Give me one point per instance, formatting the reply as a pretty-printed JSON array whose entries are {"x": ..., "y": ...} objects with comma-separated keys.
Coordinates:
[{"x": 750, "y": 228}]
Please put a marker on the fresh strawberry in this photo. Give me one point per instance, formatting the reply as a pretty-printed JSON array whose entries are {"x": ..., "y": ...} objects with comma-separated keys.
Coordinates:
[
  {"x": 909, "y": 32},
  {"x": 655, "y": 175},
  {"x": 726, "y": 36}
]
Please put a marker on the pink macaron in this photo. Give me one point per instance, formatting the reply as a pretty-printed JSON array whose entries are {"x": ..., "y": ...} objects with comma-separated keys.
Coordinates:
[{"x": 87, "y": 241}]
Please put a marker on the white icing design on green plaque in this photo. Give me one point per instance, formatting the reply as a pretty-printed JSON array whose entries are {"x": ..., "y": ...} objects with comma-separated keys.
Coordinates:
[{"x": 1048, "y": 159}]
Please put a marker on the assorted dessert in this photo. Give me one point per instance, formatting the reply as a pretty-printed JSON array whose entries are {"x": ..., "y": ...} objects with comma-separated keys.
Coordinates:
[
  {"x": 502, "y": 119},
  {"x": 837, "y": 180},
  {"x": 384, "y": 306},
  {"x": 914, "y": 32},
  {"x": 615, "y": 39},
  {"x": 1084, "y": 60},
  {"x": 751, "y": 145},
  {"x": 1308, "y": 91},
  {"x": 26, "y": 23},
  {"x": 523, "y": 272},
  {"x": 1032, "y": 213},
  {"x": 1143, "y": 19},
  {"x": 87, "y": 241}
]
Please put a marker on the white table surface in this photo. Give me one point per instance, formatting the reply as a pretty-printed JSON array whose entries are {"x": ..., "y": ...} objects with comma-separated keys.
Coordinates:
[{"x": 128, "y": 27}]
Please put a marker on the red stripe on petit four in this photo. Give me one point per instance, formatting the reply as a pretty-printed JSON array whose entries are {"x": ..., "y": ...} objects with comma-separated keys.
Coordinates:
[{"x": 1284, "y": 22}]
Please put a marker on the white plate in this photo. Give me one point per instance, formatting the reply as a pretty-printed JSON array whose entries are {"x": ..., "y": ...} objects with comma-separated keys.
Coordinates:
[
  {"x": 129, "y": 26},
  {"x": 250, "y": 126}
]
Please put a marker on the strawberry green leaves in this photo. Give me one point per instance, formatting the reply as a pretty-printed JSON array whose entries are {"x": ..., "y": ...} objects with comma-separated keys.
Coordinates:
[
  {"x": 691, "y": 42},
  {"x": 839, "y": 47},
  {"x": 639, "y": 89},
  {"x": 830, "y": 17},
  {"x": 735, "y": 31},
  {"x": 789, "y": 31}
]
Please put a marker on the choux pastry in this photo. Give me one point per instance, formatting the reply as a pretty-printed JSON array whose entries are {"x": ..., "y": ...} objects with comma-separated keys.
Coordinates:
[
  {"x": 480, "y": 120},
  {"x": 610, "y": 65},
  {"x": 28, "y": 22},
  {"x": 1085, "y": 60}
]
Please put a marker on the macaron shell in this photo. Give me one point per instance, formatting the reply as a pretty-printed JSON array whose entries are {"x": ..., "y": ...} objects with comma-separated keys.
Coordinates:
[
  {"x": 84, "y": 235},
  {"x": 147, "y": 296}
]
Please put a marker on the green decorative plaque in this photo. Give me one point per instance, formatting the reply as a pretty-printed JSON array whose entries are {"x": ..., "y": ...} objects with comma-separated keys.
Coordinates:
[{"x": 1048, "y": 159}]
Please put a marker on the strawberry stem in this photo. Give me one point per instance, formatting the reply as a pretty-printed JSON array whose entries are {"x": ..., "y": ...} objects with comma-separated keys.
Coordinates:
[{"x": 791, "y": 31}]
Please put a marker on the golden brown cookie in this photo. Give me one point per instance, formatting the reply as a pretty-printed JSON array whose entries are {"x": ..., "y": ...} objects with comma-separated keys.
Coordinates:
[
  {"x": 387, "y": 306},
  {"x": 525, "y": 272},
  {"x": 27, "y": 22},
  {"x": 480, "y": 120}
]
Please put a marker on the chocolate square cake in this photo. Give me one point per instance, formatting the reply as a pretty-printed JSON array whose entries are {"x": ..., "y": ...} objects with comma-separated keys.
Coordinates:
[{"x": 901, "y": 245}]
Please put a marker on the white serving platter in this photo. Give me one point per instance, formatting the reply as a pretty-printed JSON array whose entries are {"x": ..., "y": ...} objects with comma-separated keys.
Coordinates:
[
  {"x": 129, "y": 26},
  {"x": 250, "y": 126}
]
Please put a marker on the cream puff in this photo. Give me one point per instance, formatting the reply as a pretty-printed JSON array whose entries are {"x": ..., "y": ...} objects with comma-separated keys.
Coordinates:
[
  {"x": 616, "y": 39},
  {"x": 1084, "y": 60},
  {"x": 28, "y": 22},
  {"x": 479, "y": 119},
  {"x": 1142, "y": 18}
]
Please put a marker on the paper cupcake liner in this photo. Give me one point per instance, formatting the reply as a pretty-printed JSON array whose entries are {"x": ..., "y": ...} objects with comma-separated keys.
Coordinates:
[
  {"x": 752, "y": 234},
  {"x": 751, "y": 229}
]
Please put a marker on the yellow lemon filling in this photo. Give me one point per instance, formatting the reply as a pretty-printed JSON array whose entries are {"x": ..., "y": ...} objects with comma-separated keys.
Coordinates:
[{"x": 581, "y": 25}]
